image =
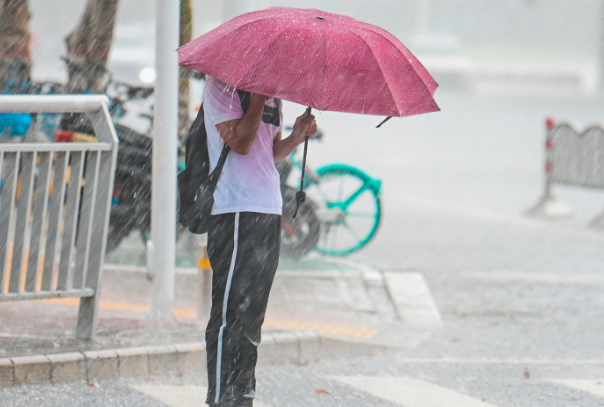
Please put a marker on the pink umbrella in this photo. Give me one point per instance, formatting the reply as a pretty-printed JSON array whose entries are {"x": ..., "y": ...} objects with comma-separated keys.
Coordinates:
[{"x": 318, "y": 59}]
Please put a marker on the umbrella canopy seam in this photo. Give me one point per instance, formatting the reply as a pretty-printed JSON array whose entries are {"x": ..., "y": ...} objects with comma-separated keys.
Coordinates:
[
  {"x": 381, "y": 72},
  {"x": 214, "y": 31},
  {"x": 324, "y": 35},
  {"x": 227, "y": 30},
  {"x": 259, "y": 59},
  {"x": 407, "y": 58}
]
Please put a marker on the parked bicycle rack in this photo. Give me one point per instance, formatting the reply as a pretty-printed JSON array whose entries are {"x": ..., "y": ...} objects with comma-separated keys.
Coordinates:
[
  {"x": 574, "y": 156},
  {"x": 54, "y": 209}
]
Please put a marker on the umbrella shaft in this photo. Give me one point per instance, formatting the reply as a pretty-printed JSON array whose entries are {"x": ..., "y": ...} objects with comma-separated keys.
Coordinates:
[
  {"x": 308, "y": 113},
  {"x": 304, "y": 163}
]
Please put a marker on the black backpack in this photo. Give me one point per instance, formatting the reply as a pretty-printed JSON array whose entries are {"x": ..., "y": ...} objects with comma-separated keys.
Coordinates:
[{"x": 195, "y": 184}]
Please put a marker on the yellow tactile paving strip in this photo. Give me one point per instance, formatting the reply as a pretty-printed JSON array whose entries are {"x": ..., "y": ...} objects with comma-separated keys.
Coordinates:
[
  {"x": 319, "y": 328},
  {"x": 269, "y": 322}
]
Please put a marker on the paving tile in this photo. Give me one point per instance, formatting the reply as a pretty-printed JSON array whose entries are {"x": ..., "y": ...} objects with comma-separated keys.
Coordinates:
[
  {"x": 284, "y": 348},
  {"x": 31, "y": 369},
  {"x": 67, "y": 367},
  {"x": 7, "y": 375},
  {"x": 133, "y": 362},
  {"x": 192, "y": 358},
  {"x": 102, "y": 365},
  {"x": 163, "y": 360},
  {"x": 309, "y": 344}
]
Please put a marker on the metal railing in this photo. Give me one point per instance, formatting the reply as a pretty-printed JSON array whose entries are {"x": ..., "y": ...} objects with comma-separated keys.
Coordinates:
[
  {"x": 54, "y": 212},
  {"x": 573, "y": 156}
]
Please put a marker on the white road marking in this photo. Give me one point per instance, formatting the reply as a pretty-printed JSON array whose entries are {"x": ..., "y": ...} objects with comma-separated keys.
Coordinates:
[
  {"x": 412, "y": 298},
  {"x": 176, "y": 396},
  {"x": 590, "y": 386},
  {"x": 497, "y": 275},
  {"x": 409, "y": 392},
  {"x": 179, "y": 396},
  {"x": 506, "y": 361}
]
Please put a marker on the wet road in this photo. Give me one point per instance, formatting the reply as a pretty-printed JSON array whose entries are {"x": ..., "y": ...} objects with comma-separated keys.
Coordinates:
[{"x": 521, "y": 298}]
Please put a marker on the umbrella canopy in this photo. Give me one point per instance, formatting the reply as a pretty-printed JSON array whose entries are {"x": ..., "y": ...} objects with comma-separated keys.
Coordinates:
[{"x": 318, "y": 59}]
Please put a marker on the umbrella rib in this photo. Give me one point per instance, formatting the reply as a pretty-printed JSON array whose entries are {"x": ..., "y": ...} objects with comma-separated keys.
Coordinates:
[
  {"x": 324, "y": 61},
  {"x": 404, "y": 56},
  {"x": 259, "y": 59},
  {"x": 236, "y": 28},
  {"x": 383, "y": 76},
  {"x": 258, "y": 18},
  {"x": 228, "y": 30}
]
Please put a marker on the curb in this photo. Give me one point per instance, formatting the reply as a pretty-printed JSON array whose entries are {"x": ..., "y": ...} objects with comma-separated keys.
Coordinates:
[{"x": 181, "y": 359}]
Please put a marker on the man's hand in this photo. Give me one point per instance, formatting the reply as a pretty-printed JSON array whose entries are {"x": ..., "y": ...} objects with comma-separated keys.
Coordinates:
[{"x": 305, "y": 126}]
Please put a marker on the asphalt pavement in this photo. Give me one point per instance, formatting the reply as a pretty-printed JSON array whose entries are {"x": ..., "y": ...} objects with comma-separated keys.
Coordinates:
[{"x": 520, "y": 299}]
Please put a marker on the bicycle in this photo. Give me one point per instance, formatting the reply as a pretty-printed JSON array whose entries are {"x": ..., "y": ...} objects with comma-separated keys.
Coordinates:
[
  {"x": 131, "y": 205},
  {"x": 346, "y": 201},
  {"x": 14, "y": 127}
]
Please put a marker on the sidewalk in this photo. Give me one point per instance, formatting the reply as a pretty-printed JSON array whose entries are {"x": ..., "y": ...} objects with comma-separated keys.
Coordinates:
[{"x": 319, "y": 308}]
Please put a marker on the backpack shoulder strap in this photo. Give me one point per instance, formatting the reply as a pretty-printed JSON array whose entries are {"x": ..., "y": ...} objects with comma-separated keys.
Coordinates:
[
  {"x": 244, "y": 98},
  {"x": 270, "y": 114}
]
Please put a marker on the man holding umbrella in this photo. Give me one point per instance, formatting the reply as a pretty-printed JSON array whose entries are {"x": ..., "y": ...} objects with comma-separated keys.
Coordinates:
[
  {"x": 245, "y": 231},
  {"x": 317, "y": 59}
]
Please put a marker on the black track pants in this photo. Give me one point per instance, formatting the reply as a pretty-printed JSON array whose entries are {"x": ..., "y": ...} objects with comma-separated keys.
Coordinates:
[{"x": 243, "y": 249}]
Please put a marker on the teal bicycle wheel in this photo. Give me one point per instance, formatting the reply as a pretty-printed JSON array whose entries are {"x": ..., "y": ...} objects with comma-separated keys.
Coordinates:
[{"x": 349, "y": 207}]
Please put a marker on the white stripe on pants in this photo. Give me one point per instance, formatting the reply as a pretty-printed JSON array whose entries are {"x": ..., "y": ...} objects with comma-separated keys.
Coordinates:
[{"x": 224, "y": 308}]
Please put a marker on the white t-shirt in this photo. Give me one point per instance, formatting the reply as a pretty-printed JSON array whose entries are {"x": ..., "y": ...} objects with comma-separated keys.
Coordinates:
[{"x": 248, "y": 183}]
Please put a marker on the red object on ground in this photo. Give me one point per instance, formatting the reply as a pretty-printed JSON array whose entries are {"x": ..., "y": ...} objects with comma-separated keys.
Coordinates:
[{"x": 318, "y": 59}]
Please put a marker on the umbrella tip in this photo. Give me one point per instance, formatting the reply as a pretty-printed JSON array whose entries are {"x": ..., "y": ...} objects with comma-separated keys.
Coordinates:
[
  {"x": 384, "y": 121},
  {"x": 320, "y": 18}
]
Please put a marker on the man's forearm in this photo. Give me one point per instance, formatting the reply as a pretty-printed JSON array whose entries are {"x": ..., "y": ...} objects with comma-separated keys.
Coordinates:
[
  {"x": 283, "y": 148},
  {"x": 240, "y": 134},
  {"x": 249, "y": 125}
]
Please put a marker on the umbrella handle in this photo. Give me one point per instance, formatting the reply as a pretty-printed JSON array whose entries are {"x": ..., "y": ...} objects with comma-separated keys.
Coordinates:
[{"x": 301, "y": 195}]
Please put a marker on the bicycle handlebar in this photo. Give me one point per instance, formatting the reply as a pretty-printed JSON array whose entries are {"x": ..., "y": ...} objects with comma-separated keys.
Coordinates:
[{"x": 131, "y": 92}]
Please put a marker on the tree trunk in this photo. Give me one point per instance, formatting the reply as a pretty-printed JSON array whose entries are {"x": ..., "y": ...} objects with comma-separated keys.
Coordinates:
[
  {"x": 88, "y": 47},
  {"x": 15, "y": 59},
  {"x": 186, "y": 35}
]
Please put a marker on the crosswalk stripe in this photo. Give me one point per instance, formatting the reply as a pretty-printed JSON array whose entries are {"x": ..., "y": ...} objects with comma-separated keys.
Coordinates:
[
  {"x": 178, "y": 396},
  {"x": 409, "y": 392},
  {"x": 175, "y": 396},
  {"x": 590, "y": 386}
]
